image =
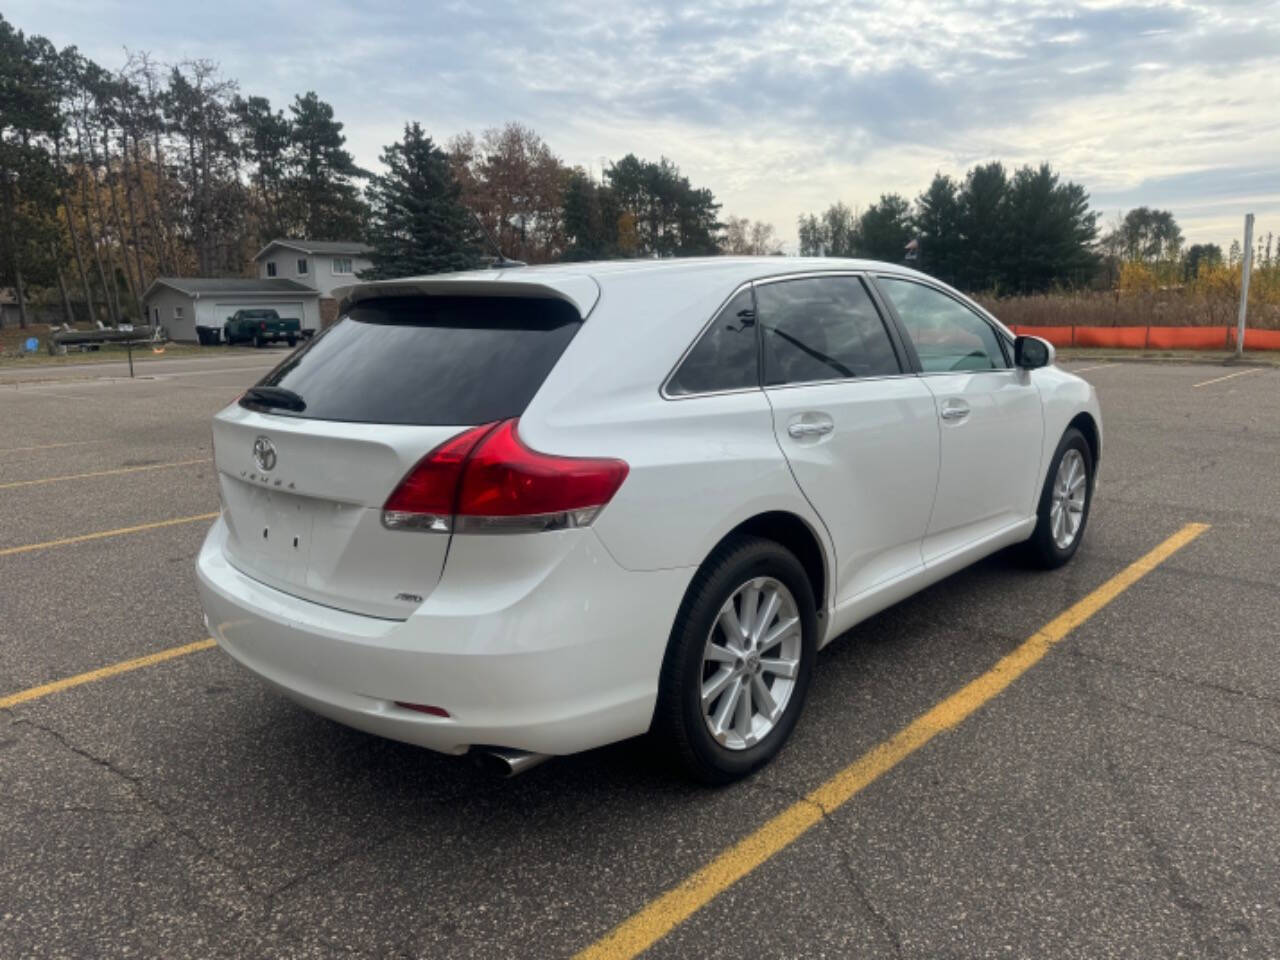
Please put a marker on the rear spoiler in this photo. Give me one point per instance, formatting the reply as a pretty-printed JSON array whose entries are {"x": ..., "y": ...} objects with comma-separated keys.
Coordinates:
[{"x": 577, "y": 289}]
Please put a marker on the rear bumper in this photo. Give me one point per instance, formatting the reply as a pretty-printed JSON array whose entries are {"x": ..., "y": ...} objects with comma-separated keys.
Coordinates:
[{"x": 555, "y": 658}]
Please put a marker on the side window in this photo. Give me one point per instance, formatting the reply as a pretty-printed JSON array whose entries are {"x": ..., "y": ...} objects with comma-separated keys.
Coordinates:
[
  {"x": 724, "y": 358},
  {"x": 825, "y": 328},
  {"x": 947, "y": 334}
]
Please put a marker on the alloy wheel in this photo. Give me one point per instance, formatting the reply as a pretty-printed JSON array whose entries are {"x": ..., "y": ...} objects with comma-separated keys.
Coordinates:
[
  {"x": 750, "y": 663},
  {"x": 1070, "y": 488}
]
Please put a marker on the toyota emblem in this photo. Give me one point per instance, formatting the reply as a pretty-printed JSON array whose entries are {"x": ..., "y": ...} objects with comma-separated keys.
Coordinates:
[{"x": 264, "y": 454}]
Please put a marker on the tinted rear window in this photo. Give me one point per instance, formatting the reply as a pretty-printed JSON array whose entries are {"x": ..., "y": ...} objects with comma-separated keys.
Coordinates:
[{"x": 431, "y": 361}]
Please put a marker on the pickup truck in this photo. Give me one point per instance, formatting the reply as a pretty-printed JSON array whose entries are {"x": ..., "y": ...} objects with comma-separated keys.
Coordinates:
[{"x": 261, "y": 327}]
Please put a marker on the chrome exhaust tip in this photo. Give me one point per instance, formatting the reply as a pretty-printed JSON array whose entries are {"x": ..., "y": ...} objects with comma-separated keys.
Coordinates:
[{"x": 506, "y": 763}]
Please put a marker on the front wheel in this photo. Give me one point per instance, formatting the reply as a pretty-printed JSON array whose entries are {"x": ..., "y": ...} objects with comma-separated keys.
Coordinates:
[
  {"x": 1064, "y": 503},
  {"x": 739, "y": 661}
]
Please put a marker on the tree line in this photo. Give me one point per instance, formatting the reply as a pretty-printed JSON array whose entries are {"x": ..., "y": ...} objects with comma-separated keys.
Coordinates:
[
  {"x": 448, "y": 207},
  {"x": 111, "y": 178},
  {"x": 990, "y": 231}
]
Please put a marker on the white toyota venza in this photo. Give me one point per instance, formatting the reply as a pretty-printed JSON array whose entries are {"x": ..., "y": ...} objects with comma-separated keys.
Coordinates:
[{"x": 527, "y": 512}]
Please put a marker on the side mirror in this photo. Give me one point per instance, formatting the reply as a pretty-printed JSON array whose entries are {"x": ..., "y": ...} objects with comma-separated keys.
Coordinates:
[{"x": 1032, "y": 353}]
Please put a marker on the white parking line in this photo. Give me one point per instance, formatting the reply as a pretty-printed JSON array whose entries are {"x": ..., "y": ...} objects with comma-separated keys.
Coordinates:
[
  {"x": 1099, "y": 366},
  {"x": 1239, "y": 373}
]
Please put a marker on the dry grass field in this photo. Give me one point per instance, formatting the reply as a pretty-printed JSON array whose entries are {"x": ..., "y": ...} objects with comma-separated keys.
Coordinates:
[{"x": 1144, "y": 298}]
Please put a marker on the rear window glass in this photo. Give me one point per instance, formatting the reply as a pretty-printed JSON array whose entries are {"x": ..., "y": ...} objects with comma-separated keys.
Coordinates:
[{"x": 430, "y": 361}]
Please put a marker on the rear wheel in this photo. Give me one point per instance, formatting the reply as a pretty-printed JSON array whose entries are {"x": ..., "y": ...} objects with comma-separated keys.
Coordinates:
[
  {"x": 1064, "y": 503},
  {"x": 739, "y": 661},
  {"x": 292, "y": 341},
  {"x": 258, "y": 342}
]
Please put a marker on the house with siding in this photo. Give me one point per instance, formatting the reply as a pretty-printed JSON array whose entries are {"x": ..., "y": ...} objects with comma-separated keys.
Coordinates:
[
  {"x": 321, "y": 264},
  {"x": 296, "y": 278},
  {"x": 180, "y": 304}
]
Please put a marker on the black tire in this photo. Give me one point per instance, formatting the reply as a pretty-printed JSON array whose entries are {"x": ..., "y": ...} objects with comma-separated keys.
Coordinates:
[
  {"x": 292, "y": 341},
  {"x": 1041, "y": 549},
  {"x": 258, "y": 342},
  {"x": 679, "y": 726}
]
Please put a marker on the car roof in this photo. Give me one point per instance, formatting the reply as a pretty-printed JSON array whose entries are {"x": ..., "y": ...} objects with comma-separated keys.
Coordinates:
[
  {"x": 580, "y": 282},
  {"x": 748, "y": 266}
]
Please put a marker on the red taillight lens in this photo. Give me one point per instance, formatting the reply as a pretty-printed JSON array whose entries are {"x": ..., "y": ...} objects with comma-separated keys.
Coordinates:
[
  {"x": 487, "y": 480},
  {"x": 426, "y": 497},
  {"x": 262, "y": 326},
  {"x": 504, "y": 478}
]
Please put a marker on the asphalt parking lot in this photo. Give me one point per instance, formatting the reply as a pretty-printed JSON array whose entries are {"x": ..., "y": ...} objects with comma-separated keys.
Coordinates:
[{"x": 1120, "y": 798}]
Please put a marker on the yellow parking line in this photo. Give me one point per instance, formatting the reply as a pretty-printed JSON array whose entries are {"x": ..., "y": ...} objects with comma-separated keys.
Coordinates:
[
  {"x": 50, "y": 446},
  {"x": 658, "y": 918},
  {"x": 98, "y": 535},
  {"x": 151, "y": 659},
  {"x": 1239, "y": 373},
  {"x": 103, "y": 473}
]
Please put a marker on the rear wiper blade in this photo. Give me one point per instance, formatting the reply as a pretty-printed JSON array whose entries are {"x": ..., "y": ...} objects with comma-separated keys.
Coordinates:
[{"x": 276, "y": 397}]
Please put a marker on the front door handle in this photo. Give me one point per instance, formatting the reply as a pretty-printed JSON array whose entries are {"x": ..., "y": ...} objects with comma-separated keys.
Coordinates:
[
  {"x": 954, "y": 410},
  {"x": 799, "y": 430}
]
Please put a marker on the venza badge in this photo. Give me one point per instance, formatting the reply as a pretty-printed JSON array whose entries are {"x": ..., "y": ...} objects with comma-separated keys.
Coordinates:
[{"x": 264, "y": 454}]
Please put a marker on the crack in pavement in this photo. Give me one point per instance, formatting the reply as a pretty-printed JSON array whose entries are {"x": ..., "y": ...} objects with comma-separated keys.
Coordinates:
[
  {"x": 1140, "y": 820},
  {"x": 1239, "y": 741},
  {"x": 136, "y": 786},
  {"x": 1172, "y": 677},
  {"x": 844, "y": 859}
]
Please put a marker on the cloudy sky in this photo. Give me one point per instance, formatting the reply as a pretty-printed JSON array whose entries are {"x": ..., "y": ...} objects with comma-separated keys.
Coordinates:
[{"x": 779, "y": 107}]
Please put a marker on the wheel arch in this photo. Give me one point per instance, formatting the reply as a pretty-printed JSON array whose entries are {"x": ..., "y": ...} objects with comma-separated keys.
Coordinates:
[
  {"x": 793, "y": 532},
  {"x": 1085, "y": 423}
]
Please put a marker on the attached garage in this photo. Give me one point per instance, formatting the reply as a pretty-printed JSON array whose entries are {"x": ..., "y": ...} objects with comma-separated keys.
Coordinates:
[
  {"x": 180, "y": 304},
  {"x": 288, "y": 310}
]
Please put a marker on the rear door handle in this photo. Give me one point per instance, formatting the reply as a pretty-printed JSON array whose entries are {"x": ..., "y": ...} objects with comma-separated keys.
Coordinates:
[
  {"x": 799, "y": 430},
  {"x": 954, "y": 410}
]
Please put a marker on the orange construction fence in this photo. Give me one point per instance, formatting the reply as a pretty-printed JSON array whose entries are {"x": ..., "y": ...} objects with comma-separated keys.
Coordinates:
[{"x": 1153, "y": 338}]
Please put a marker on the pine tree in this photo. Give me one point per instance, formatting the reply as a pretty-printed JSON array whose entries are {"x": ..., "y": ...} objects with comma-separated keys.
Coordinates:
[
  {"x": 886, "y": 228},
  {"x": 329, "y": 203},
  {"x": 264, "y": 137},
  {"x": 982, "y": 222},
  {"x": 937, "y": 223},
  {"x": 28, "y": 115},
  {"x": 1050, "y": 231},
  {"x": 586, "y": 226},
  {"x": 419, "y": 223}
]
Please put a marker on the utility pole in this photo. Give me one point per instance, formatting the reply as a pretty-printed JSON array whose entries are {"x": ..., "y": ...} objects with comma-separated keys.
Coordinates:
[{"x": 1246, "y": 268}]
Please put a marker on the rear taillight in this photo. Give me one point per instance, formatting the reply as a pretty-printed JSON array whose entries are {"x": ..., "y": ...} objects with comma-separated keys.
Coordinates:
[
  {"x": 262, "y": 326},
  {"x": 426, "y": 497},
  {"x": 485, "y": 480}
]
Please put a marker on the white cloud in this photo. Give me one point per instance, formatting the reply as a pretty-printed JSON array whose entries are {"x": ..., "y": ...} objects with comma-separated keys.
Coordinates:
[{"x": 779, "y": 107}]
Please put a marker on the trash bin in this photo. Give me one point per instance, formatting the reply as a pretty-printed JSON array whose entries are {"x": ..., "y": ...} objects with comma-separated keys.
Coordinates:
[{"x": 208, "y": 336}]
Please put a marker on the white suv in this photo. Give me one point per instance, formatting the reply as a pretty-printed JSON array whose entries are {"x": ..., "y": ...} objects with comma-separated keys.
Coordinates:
[{"x": 533, "y": 511}]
